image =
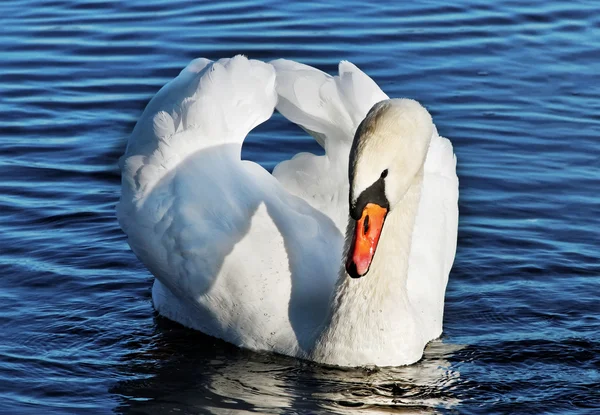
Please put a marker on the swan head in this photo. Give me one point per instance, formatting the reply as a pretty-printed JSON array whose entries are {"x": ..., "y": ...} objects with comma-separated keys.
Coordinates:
[{"x": 387, "y": 155}]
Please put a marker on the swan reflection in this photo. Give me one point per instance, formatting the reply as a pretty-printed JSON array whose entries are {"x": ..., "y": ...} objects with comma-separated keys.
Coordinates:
[{"x": 184, "y": 371}]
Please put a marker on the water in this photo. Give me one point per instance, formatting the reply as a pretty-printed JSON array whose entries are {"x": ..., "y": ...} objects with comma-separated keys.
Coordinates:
[{"x": 516, "y": 86}]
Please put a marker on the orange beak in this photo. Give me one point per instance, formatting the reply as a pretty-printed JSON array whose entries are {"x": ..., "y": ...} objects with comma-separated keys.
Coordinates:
[{"x": 366, "y": 235}]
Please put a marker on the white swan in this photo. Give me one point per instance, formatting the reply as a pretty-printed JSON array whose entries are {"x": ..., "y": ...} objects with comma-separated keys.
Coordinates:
[{"x": 259, "y": 259}]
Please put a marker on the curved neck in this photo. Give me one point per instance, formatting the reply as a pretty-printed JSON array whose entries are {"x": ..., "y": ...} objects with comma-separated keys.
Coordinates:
[
  {"x": 369, "y": 313},
  {"x": 389, "y": 270}
]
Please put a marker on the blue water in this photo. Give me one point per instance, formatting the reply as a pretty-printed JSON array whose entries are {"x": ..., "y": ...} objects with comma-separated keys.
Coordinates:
[{"x": 515, "y": 85}]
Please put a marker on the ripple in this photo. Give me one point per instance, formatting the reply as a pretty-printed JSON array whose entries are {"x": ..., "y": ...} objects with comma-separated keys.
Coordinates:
[{"x": 514, "y": 85}]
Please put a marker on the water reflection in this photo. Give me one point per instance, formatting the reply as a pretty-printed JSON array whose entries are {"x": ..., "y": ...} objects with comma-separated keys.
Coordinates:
[{"x": 184, "y": 371}]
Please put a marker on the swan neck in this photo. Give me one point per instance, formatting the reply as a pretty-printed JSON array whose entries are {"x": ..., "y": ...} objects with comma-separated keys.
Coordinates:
[
  {"x": 372, "y": 314},
  {"x": 390, "y": 262}
]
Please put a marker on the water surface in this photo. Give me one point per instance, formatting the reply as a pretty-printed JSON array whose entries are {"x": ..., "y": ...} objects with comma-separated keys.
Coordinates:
[{"x": 515, "y": 86}]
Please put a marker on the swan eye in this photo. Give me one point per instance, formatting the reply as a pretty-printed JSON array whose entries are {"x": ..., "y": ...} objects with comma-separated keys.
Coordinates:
[{"x": 384, "y": 174}]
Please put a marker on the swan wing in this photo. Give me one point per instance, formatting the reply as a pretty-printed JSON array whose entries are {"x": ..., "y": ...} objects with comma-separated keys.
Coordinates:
[
  {"x": 330, "y": 108},
  {"x": 434, "y": 236},
  {"x": 235, "y": 255}
]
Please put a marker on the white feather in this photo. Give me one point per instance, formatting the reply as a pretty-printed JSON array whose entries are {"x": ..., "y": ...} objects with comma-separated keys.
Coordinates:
[{"x": 250, "y": 257}]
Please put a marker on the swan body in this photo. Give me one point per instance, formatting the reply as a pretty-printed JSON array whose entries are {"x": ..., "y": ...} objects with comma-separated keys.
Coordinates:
[{"x": 257, "y": 259}]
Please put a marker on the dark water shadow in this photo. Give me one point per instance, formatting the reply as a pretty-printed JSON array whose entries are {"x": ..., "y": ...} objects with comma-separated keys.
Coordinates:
[{"x": 185, "y": 371}]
